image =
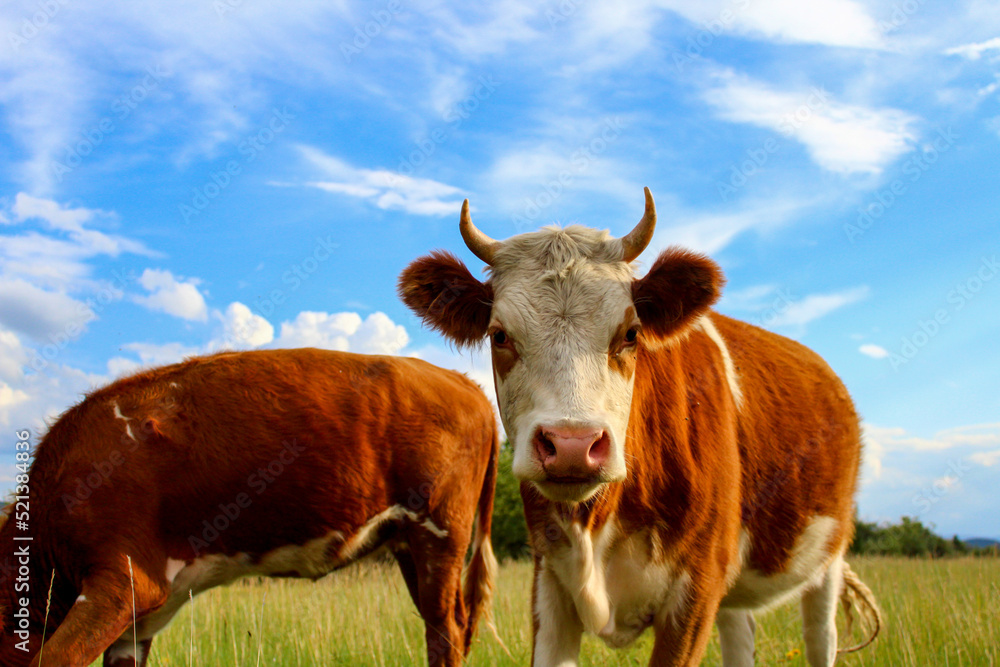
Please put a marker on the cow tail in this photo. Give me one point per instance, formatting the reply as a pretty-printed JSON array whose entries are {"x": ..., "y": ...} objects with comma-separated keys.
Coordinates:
[
  {"x": 857, "y": 595},
  {"x": 482, "y": 569}
]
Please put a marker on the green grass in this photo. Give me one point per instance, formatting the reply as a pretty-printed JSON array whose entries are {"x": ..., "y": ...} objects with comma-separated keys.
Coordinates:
[{"x": 937, "y": 614}]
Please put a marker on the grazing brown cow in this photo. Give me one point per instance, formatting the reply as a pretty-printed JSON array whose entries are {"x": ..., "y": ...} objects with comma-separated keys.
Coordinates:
[
  {"x": 287, "y": 463},
  {"x": 677, "y": 466}
]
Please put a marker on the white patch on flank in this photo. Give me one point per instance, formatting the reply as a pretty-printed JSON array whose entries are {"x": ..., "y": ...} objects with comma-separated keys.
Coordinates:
[
  {"x": 434, "y": 528},
  {"x": 124, "y": 649},
  {"x": 708, "y": 326},
  {"x": 174, "y": 567},
  {"x": 312, "y": 560},
  {"x": 119, "y": 415},
  {"x": 82, "y": 598},
  {"x": 809, "y": 560}
]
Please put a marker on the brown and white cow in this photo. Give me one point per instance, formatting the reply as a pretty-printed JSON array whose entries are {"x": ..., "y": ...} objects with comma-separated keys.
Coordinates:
[
  {"x": 287, "y": 463},
  {"x": 677, "y": 466}
]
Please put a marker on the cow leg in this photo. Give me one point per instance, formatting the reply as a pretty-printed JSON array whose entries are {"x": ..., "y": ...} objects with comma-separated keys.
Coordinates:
[
  {"x": 437, "y": 568},
  {"x": 819, "y": 616},
  {"x": 683, "y": 634},
  {"x": 100, "y": 616},
  {"x": 558, "y": 629},
  {"x": 404, "y": 559},
  {"x": 736, "y": 629},
  {"x": 123, "y": 653}
]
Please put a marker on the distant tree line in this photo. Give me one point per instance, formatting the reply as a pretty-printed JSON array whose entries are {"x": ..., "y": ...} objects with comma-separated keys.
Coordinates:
[{"x": 909, "y": 538}]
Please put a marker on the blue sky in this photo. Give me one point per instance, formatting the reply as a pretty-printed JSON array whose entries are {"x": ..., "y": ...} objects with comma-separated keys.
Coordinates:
[{"x": 182, "y": 177}]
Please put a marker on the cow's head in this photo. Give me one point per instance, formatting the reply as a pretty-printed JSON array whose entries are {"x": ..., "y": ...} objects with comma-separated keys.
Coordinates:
[{"x": 565, "y": 317}]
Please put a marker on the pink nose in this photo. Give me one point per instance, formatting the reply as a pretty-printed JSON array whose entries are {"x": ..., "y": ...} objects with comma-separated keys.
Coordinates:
[{"x": 572, "y": 452}]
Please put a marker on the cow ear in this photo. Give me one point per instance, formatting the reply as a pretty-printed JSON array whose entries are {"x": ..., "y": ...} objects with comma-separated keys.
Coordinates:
[
  {"x": 442, "y": 292},
  {"x": 680, "y": 287}
]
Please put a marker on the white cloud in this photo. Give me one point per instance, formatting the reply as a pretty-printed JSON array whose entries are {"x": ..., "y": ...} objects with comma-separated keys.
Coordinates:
[
  {"x": 50, "y": 317},
  {"x": 217, "y": 55},
  {"x": 874, "y": 351},
  {"x": 839, "y": 137},
  {"x": 897, "y": 439},
  {"x": 241, "y": 328},
  {"x": 37, "y": 398},
  {"x": 814, "y": 306},
  {"x": 376, "y": 334},
  {"x": 988, "y": 459},
  {"x": 976, "y": 50},
  {"x": 58, "y": 258},
  {"x": 172, "y": 296},
  {"x": 830, "y": 22},
  {"x": 27, "y": 207},
  {"x": 384, "y": 188}
]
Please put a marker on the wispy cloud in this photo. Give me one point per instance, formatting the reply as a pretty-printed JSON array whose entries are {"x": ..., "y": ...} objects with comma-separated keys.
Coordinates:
[
  {"x": 839, "y": 137},
  {"x": 386, "y": 189},
  {"x": 829, "y": 22},
  {"x": 47, "y": 267},
  {"x": 873, "y": 351},
  {"x": 976, "y": 50},
  {"x": 815, "y": 306}
]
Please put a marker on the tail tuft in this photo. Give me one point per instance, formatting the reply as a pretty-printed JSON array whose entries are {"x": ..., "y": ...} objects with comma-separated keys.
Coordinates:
[{"x": 856, "y": 595}]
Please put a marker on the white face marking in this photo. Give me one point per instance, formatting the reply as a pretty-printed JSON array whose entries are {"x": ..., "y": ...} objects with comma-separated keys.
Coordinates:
[
  {"x": 560, "y": 296},
  {"x": 705, "y": 324},
  {"x": 82, "y": 598},
  {"x": 808, "y": 563}
]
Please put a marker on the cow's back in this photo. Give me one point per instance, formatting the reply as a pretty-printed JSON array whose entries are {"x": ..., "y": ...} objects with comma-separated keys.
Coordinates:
[{"x": 338, "y": 437}]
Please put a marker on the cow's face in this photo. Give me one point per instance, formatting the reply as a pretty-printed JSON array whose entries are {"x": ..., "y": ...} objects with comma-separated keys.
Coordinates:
[{"x": 565, "y": 318}]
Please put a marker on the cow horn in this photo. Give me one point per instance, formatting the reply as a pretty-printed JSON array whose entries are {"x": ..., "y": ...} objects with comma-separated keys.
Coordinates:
[
  {"x": 636, "y": 240},
  {"x": 480, "y": 244}
]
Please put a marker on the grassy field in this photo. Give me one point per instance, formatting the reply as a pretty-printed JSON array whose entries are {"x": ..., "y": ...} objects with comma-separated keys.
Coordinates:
[{"x": 938, "y": 613}]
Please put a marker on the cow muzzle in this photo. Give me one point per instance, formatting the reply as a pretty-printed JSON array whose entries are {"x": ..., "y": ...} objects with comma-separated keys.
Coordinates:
[{"x": 572, "y": 455}]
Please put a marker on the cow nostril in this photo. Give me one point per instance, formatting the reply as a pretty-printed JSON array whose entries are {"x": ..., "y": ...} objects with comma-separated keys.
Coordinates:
[
  {"x": 545, "y": 445},
  {"x": 601, "y": 448}
]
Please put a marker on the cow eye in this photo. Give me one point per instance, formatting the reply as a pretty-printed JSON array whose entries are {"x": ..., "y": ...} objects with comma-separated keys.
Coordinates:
[
  {"x": 631, "y": 335},
  {"x": 499, "y": 337}
]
